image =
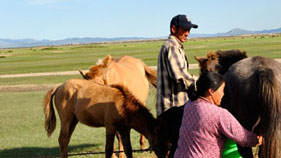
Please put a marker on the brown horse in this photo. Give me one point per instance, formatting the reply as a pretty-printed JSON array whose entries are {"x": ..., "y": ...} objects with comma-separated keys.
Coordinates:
[
  {"x": 127, "y": 71},
  {"x": 98, "y": 105},
  {"x": 252, "y": 95}
]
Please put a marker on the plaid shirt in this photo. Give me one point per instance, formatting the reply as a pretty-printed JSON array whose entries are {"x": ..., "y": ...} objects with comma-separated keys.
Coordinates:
[
  {"x": 172, "y": 71},
  {"x": 204, "y": 130}
]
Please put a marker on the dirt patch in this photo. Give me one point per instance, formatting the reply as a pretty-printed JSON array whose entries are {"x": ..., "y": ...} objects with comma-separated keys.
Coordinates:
[
  {"x": 41, "y": 74},
  {"x": 26, "y": 88},
  {"x": 4, "y": 55},
  {"x": 44, "y": 87}
]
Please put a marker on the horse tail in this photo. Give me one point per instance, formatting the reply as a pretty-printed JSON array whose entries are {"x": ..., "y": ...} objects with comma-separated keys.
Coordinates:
[
  {"x": 50, "y": 117},
  {"x": 151, "y": 75},
  {"x": 270, "y": 99}
]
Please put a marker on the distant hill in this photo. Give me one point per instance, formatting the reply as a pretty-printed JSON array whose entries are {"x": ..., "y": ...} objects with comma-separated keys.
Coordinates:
[
  {"x": 14, "y": 43},
  {"x": 11, "y": 43},
  {"x": 236, "y": 32}
]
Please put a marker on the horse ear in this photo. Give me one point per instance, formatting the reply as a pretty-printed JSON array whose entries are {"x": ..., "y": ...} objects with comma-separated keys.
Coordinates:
[
  {"x": 83, "y": 75},
  {"x": 107, "y": 60},
  {"x": 200, "y": 59},
  {"x": 245, "y": 54}
]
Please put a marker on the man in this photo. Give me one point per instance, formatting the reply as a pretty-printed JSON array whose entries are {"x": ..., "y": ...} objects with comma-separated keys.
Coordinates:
[{"x": 172, "y": 70}]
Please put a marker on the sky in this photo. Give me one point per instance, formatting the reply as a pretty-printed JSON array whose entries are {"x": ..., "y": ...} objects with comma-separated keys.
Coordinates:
[{"x": 60, "y": 19}]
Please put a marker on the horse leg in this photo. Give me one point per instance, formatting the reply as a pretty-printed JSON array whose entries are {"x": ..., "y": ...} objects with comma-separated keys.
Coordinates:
[
  {"x": 173, "y": 150},
  {"x": 110, "y": 133},
  {"x": 125, "y": 136},
  {"x": 120, "y": 145},
  {"x": 67, "y": 128},
  {"x": 142, "y": 142}
]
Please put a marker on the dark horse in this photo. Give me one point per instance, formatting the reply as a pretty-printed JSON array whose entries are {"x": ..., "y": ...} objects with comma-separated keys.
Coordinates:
[
  {"x": 170, "y": 122},
  {"x": 252, "y": 95}
]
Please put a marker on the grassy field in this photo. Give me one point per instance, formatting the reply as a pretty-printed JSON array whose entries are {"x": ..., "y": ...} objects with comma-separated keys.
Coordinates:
[
  {"x": 22, "y": 131},
  {"x": 66, "y": 58},
  {"x": 21, "y": 113}
]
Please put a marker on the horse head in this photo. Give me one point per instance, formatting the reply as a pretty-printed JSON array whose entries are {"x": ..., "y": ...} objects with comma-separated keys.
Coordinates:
[
  {"x": 159, "y": 142},
  {"x": 219, "y": 61},
  {"x": 209, "y": 63},
  {"x": 98, "y": 72}
]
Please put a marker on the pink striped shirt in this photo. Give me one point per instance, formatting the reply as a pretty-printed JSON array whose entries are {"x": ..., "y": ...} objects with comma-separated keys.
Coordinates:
[{"x": 204, "y": 130}]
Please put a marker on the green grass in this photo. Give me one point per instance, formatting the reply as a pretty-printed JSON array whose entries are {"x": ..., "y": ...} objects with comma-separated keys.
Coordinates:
[
  {"x": 37, "y": 80},
  {"x": 43, "y": 80},
  {"x": 22, "y": 131},
  {"x": 21, "y": 113},
  {"x": 71, "y": 57},
  {"x": 66, "y": 58}
]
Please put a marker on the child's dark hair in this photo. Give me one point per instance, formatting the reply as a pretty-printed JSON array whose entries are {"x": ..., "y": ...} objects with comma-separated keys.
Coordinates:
[{"x": 206, "y": 81}]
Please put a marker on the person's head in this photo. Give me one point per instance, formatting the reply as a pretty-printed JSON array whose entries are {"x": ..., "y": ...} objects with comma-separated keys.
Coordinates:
[
  {"x": 180, "y": 27},
  {"x": 209, "y": 84}
]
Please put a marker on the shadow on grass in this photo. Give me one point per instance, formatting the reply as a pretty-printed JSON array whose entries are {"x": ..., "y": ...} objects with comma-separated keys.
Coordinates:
[{"x": 39, "y": 152}]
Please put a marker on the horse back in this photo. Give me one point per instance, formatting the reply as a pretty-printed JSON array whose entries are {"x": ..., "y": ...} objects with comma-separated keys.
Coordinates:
[
  {"x": 99, "y": 105},
  {"x": 242, "y": 87},
  {"x": 126, "y": 68},
  {"x": 65, "y": 94},
  {"x": 130, "y": 73},
  {"x": 88, "y": 101}
]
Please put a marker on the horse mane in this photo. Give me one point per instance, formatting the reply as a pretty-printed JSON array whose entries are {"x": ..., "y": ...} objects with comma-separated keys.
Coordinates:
[
  {"x": 228, "y": 57},
  {"x": 95, "y": 69},
  {"x": 132, "y": 105}
]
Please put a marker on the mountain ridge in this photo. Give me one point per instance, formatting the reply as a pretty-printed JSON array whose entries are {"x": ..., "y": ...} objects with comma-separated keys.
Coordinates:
[{"x": 15, "y": 43}]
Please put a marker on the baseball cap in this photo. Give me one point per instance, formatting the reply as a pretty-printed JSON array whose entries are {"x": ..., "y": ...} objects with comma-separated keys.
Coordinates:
[{"x": 182, "y": 21}]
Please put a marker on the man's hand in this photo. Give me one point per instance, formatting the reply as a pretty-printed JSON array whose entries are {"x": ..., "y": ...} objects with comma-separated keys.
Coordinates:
[
  {"x": 260, "y": 140},
  {"x": 195, "y": 77}
]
